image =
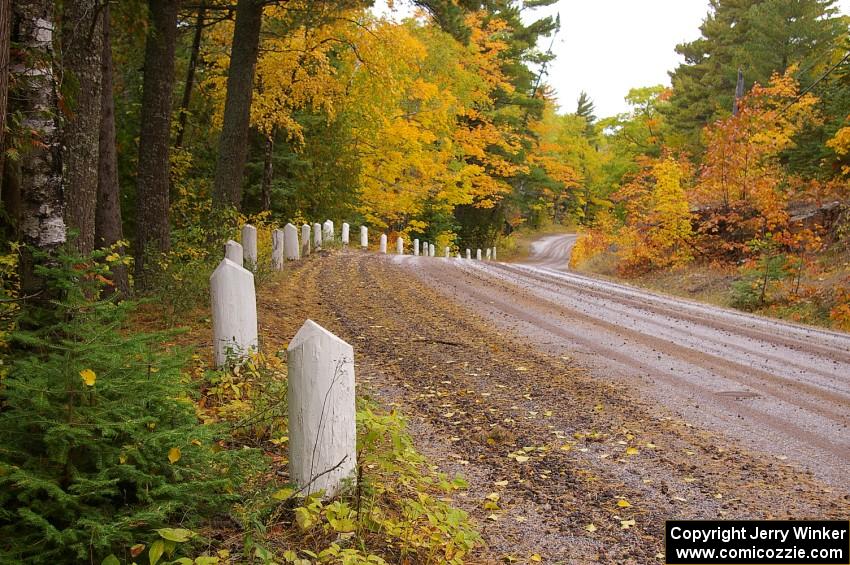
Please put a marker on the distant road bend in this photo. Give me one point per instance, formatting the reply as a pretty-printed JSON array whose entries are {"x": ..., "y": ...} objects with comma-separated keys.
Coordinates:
[{"x": 780, "y": 388}]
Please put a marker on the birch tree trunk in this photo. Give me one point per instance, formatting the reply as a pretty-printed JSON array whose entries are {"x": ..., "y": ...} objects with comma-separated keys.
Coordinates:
[{"x": 42, "y": 221}]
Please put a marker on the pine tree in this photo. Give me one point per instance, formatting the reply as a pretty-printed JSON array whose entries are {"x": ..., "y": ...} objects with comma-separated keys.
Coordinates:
[
  {"x": 99, "y": 441},
  {"x": 761, "y": 37}
]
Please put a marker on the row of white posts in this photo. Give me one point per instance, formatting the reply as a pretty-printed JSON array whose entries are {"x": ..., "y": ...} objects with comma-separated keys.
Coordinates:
[{"x": 320, "y": 397}]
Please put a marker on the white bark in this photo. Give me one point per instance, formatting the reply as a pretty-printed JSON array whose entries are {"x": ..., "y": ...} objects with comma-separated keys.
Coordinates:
[
  {"x": 234, "y": 312},
  {"x": 305, "y": 240},
  {"x": 345, "y": 233},
  {"x": 416, "y": 248},
  {"x": 382, "y": 248},
  {"x": 42, "y": 222},
  {"x": 320, "y": 395},
  {"x": 364, "y": 237},
  {"x": 233, "y": 251},
  {"x": 290, "y": 243},
  {"x": 399, "y": 246},
  {"x": 277, "y": 250},
  {"x": 249, "y": 246}
]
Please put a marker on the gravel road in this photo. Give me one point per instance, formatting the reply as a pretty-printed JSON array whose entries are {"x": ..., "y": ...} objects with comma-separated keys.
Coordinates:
[
  {"x": 780, "y": 388},
  {"x": 529, "y": 385}
]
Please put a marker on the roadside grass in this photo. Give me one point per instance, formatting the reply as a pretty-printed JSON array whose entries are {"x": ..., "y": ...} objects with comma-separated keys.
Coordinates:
[
  {"x": 810, "y": 303},
  {"x": 399, "y": 512}
]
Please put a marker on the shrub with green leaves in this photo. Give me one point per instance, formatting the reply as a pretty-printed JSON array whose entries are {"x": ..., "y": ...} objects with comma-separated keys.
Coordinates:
[
  {"x": 768, "y": 266},
  {"x": 99, "y": 441}
]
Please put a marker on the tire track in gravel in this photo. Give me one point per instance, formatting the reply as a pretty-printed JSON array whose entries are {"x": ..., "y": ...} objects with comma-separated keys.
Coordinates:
[
  {"x": 488, "y": 395},
  {"x": 593, "y": 287},
  {"x": 760, "y": 399},
  {"x": 661, "y": 341}
]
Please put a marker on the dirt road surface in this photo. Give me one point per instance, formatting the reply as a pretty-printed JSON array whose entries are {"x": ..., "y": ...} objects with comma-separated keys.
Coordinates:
[
  {"x": 583, "y": 414},
  {"x": 776, "y": 387}
]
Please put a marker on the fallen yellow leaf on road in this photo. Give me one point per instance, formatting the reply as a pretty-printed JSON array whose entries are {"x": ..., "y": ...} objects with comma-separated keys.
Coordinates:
[
  {"x": 623, "y": 503},
  {"x": 590, "y": 527}
]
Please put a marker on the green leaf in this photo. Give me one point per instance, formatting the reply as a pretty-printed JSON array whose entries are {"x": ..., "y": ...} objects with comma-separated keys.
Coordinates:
[
  {"x": 155, "y": 552},
  {"x": 283, "y": 494},
  {"x": 175, "y": 534},
  {"x": 111, "y": 560}
]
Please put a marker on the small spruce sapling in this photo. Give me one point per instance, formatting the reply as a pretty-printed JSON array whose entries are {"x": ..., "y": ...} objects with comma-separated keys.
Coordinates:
[{"x": 99, "y": 441}]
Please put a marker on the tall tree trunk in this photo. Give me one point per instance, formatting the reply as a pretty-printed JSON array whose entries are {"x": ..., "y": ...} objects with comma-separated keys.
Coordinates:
[
  {"x": 268, "y": 172},
  {"x": 82, "y": 49},
  {"x": 233, "y": 143},
  {"x": 42, "y": 200},
  {"x": 5, "y": 34},
  {"x": 190, "y": 75},
  {"x": 152, "y": 204},
  {"x": 108, "y": 216}
]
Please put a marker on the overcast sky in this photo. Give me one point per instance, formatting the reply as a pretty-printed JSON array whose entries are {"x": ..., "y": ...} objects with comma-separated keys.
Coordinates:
[{"x": 606, "y": 47}]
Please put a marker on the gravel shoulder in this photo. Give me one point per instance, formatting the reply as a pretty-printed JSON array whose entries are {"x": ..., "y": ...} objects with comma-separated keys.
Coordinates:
[{"x": 563, "y": 461}]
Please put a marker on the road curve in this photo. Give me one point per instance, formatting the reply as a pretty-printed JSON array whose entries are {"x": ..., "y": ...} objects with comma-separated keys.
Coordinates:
[
  {"x": 776, "y": 387},
  {"x": 553, "y": 251}
]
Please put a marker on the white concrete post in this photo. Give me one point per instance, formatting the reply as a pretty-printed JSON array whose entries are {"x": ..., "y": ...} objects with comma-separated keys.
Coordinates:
[
  {"x": 320, "y": 396},
  {"x": 249, "y": 246},
  {"x": 431, "y": 250},
  {"x": 383, "y": 245},
  {"x": 328, "y": 231},
  {"x": 424, "y": 250},
  {"x": 364, "y": 237},
  {"x": 447, "y": 252},
  {"x": 290, "y": 243},
  {"x": 458, "y": 254},
  {"x": 399, "y": 246},
  {"x": 494, "y": 253},
  {"x": 468, "y": 254},
  {"x": 478, "y": 254},
  {"x": 233, "y": 251},
  {"x": 489, "y": 253},
  {"x": 234, "y": 312},
  {"x": 305, "y": 240},
  {"x": 277, "y": 250},
  {"x": 416, "y": 248},
  {"x": 346, "y": 229},
  {"x": 317, "y": 235}
]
